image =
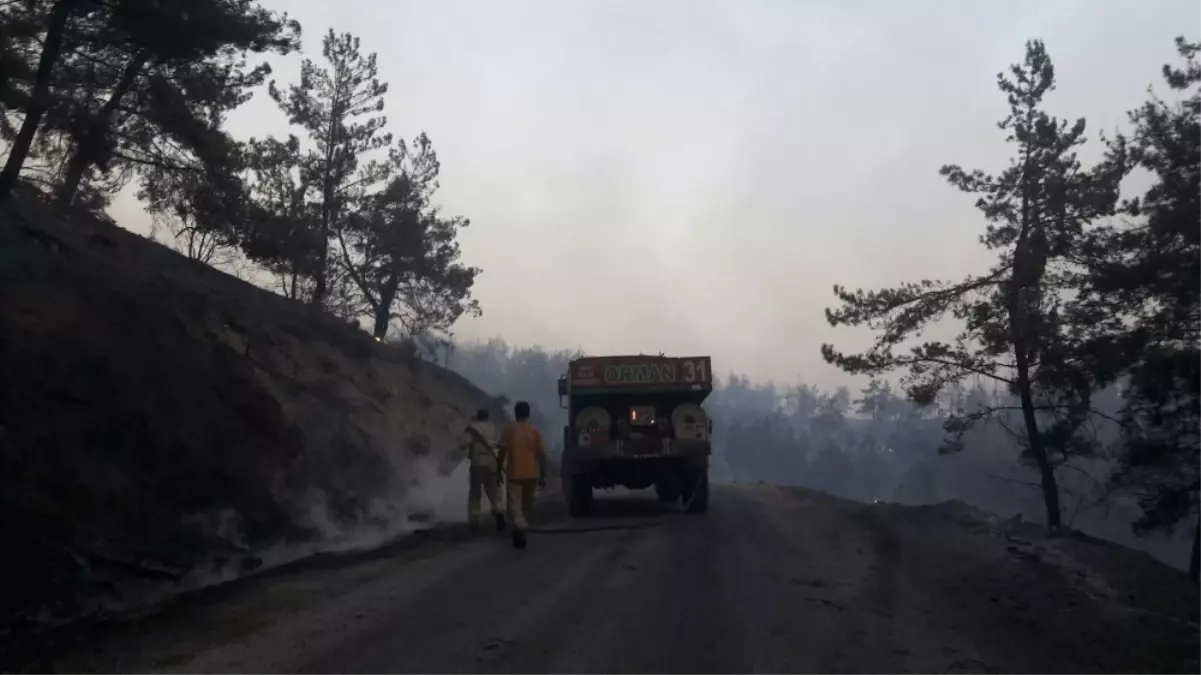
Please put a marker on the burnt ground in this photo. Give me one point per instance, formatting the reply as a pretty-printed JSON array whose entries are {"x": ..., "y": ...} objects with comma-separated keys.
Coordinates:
[
  {"x": 770, "y": 580},
  {"x": 164, "y": 424}
]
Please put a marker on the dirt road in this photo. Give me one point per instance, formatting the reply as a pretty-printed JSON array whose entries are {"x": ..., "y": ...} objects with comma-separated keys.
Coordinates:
[{"x": 770, "y": 580}]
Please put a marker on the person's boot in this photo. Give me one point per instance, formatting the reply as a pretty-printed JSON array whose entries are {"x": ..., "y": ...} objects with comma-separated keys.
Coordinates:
[
  {"x": 518, "y": 539},
  {"x": 500, "y": 520},
  {"x": 473, "y": 525}
]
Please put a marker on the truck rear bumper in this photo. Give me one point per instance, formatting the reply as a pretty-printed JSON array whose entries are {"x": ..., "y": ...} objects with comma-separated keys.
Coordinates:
[{"x": 691, "y": 453}]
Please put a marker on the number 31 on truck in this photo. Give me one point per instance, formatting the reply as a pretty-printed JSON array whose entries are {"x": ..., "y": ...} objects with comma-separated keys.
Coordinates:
[{"x": 637, "y": 421}]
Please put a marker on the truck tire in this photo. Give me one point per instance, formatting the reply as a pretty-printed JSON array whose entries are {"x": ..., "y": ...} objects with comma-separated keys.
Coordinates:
[
  {"x": 667, "y": 489},
  {"x": 696, "y": 492},
  {"x": 579, "y": 495}
]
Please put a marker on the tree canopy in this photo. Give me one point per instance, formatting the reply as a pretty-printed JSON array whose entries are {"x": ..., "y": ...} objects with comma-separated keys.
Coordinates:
[
  {"x": 131, "y": 87},
  {"x": 95, "y": 93}
]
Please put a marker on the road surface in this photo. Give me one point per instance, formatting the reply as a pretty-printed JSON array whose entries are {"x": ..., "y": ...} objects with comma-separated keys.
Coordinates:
[{"x": 770, "y": 580}]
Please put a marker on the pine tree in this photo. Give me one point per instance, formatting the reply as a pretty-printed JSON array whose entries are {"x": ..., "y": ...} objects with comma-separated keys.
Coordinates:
[
  {"x": 21, "y": 35},
  {"x": 1037, "y": 210},
  {"x": 401, "y": 254},
  {"x": 1148, "y": 273},
  {"x": 282, "y": 232},
  {"x": 142, "y": 87},
  {"x": 201, "y": 209},
  {"x": 327, "y": 104}
]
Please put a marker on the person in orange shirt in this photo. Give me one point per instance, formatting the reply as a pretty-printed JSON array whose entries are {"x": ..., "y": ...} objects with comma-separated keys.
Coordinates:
[{"x": 522, "y": 458}]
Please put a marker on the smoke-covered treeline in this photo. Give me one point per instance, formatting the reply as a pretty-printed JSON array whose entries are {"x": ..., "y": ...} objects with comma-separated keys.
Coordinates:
[
  {"x": 865, "y": 444},
  {"x": 518, "y": 374}
]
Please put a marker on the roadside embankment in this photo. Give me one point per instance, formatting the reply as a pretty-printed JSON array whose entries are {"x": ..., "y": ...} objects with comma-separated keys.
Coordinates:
[{"x": 166, "y": 426}]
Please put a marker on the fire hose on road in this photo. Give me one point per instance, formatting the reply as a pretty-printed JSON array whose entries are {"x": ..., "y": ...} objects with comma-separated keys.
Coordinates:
[{"x": 626, "y": 526}]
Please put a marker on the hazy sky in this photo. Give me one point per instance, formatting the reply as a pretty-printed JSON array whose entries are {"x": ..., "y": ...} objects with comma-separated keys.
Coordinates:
[{"x": 693, "y": 176}]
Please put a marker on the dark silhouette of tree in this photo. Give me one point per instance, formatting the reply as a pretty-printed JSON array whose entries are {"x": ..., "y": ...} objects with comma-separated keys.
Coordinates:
[
  {"x": 327, "y": 104},
  {"x": 21, "y": 22},
  {"x": 282, "y": 231},
  {"x": 1037, "y": 209},
  {"x": 1148, "y": 273},
  {"x": 142, "y": 87},
  {"x": 201, "y": 209},
  {"x": 402, "y": 256},
  {"x": 1159, "y": 456}
]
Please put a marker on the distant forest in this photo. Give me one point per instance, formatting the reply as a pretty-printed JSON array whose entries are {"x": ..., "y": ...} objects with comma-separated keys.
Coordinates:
[{"x": 865, "y": 444}]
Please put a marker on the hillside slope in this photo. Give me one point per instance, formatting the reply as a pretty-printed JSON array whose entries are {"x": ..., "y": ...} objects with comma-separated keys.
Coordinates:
[{"x": 164, "y": 425}]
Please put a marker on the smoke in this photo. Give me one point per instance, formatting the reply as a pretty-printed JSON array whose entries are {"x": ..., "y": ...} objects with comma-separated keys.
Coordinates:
[
  {"x": 442, "y": 497},
  {"x": 430, "y": 497}
]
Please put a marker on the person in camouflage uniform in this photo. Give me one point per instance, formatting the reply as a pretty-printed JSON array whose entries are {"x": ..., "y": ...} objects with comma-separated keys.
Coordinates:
[{"x": 479, "y": 440}]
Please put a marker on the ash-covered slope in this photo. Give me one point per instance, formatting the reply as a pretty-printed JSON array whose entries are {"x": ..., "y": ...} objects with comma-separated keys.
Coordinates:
[{"x": 164, "y": 425}]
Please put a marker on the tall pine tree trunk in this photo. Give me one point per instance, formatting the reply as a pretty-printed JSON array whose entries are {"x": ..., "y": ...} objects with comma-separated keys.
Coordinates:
[
  {"x": 51, "y": 49},
  {"x": 88, "y": 147},
  {"x": 380, "y": 330},
  {"x": 294, "y": 287},
  {"x": 383, "y": 311},
  {"x": 1025, "y": 278},
  {"x": 319, "y": 285},
  {"x": 1019, "y": 328},
  {"x": 328, "y": 188},
  {"x": 1034, "y": 436}
]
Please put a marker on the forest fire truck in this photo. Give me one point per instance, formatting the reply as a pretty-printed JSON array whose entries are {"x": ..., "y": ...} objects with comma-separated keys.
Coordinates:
[{"x": 634, "y": 422}]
